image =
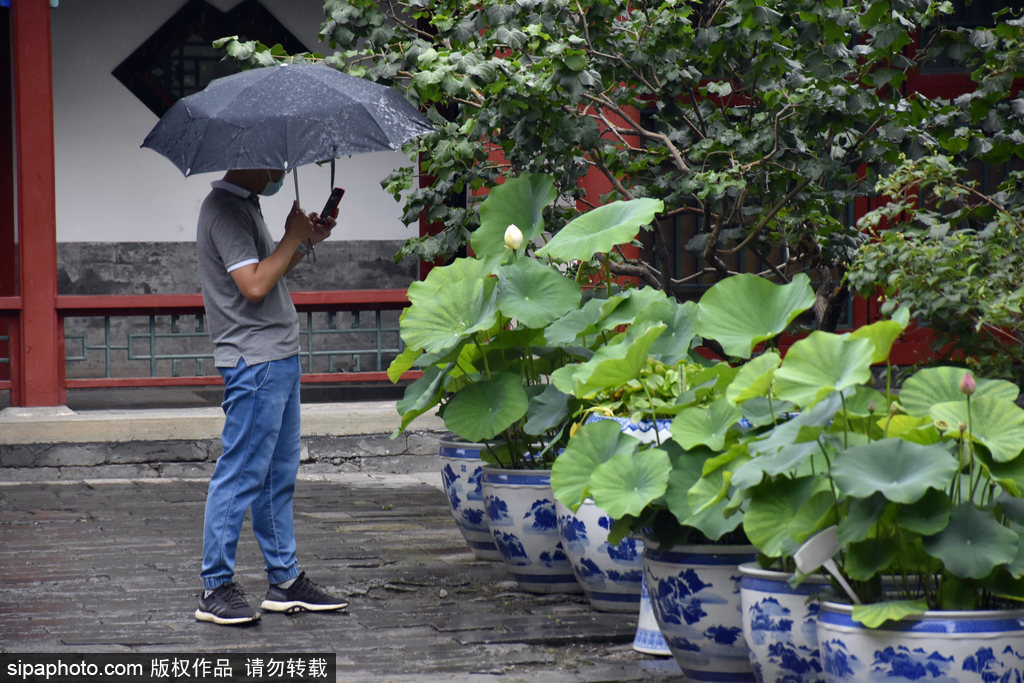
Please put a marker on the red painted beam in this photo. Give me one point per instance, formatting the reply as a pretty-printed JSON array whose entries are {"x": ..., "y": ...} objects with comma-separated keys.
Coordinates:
[
  {"x": 10, "y": 303},
  {"x": 41, "y": 372}
]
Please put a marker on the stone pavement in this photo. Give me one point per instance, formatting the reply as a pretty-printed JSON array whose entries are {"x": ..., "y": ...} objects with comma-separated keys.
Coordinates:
[{"x": 93, "y": 564}]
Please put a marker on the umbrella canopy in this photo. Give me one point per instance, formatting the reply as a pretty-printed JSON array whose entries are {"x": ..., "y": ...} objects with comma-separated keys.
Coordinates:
[{"x": 282, "y": 117}]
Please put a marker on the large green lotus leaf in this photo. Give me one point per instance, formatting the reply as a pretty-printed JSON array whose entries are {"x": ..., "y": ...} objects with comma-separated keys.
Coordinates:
[
  {"x": 600, "y": 230},
  {"x": 549, "y": 408},
  {"x": 585, "y": 322},
  {"x": 929, "y": 386},
  {"x": 910, "y": 428},
  {"x": 449, "y": 305},
  {"x": 626, "y": 484},
  {"x": 820, "y": 364},
  {"x": 634, "y": 305},
  {"x": 773, "y": 520},
  {"x": 484, "y": 409},
  {"x": 806, "y": 426},
  {"x": 787, "y": 459},
  {"x": 610, "y": 367},
  {"x": 875, "y": 614},
  {"x": 420, "y": 396},
  {"x": 870, "y": 557},
  {"x": 866, "y": 401},
  {"x": 928, "y": 516},
  {"x": 591, "y": 445},
  {"x": 712, "y": 496},
  {"x": 899, "y": 470},
  {"x": 859, "y": 519},
  {"x": 1012, "y": 507},
  {"x": 884, "y": 333},
  {"x": 973, "y": 543},
  {"x": 754, "y": 378},
  {"x": 687, "y": 467},
  {"x": 762, "y": 411},
  {"x": 402, "y": 363},
  {"x": 996, "y": 423},
  {"x": 534, "y": 294},
  {"x": 1008, "y": 475},
  {"x": 708, "y": 502},
  {"x": 675, "y": 343},
  {"x": 520, "y": 201},
  {"x": 705, "y": 425},
  {"x": 743, "y": 310}
]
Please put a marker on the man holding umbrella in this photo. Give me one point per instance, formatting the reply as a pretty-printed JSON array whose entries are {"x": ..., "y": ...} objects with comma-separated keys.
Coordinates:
[
  {"x": 255, "y": 331},
  {"x": 254, "y": 124}
]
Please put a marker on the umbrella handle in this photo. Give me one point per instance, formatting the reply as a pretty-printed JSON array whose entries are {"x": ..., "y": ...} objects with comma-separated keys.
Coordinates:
[{"x": 295, "y": 174}]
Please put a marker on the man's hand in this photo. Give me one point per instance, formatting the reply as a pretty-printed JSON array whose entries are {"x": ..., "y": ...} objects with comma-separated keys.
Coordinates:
[
  {"x": 299, "y": 225},
  {"x": 322, "y": 226}
]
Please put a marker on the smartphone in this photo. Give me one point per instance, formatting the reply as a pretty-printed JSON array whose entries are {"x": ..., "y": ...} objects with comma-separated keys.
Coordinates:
[{"x": 332, "y": 203}]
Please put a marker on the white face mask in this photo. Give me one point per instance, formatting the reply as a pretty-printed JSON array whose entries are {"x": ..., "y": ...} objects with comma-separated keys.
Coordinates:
[{"x": 272, "y": 185}]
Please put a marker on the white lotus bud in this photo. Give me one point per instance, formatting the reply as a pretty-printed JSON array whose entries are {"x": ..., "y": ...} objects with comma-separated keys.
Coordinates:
[{"x": 513, "y": 236}]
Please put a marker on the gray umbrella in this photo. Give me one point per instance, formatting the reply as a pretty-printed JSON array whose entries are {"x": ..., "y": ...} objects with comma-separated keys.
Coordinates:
[{"x": 283, "y": 117}]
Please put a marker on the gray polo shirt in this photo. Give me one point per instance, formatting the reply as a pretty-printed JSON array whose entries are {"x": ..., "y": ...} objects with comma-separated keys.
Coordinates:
[{"x": 231, "y": 233}]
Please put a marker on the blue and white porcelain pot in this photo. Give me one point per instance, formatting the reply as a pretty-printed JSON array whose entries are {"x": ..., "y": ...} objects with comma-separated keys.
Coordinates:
[
  {"x": 521, "y": 514},
  {"x": 461, "y": 471},
  {"x": 780, "y": 624},
  {"x": 695, "y": 594},
  {"x": 648, "y": 638},
  {"x": 611, "y": 576},
  {"x": 645, "y": 431},
  {"x": 952, "y": 647}
]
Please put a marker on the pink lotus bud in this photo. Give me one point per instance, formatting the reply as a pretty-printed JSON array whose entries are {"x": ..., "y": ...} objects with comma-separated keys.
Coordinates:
[
  {"x": 513, "y": 236},
  {"x": 967, "y": 384}
]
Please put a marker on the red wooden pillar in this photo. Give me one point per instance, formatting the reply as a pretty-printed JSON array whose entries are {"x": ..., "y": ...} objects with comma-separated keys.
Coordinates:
[
  {"x": 8, "y": 260},
  {"x": 41, "y": 352}
]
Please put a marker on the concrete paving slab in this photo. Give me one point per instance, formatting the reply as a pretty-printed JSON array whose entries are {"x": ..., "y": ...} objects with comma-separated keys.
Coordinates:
[
  {"x": 111, "y": 565},
  {"x": 60, "y": 424}
]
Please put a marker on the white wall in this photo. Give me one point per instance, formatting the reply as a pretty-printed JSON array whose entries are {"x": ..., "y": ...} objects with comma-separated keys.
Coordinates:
[{"x": 111, "y": 190}]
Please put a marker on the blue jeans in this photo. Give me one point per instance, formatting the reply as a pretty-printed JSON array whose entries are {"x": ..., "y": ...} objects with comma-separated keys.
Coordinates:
[{"x": 256, "y": 471}]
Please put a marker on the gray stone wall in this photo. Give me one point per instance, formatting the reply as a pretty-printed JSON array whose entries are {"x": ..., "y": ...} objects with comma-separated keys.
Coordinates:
[
  {"x": 124, "y": 350},
  {"x": 412, "y": 451},
  {"x": 170, "y": 267}
]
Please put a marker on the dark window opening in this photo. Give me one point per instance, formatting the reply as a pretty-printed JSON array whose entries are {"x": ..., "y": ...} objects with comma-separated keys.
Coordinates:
[{"x": 179, "y": 58}]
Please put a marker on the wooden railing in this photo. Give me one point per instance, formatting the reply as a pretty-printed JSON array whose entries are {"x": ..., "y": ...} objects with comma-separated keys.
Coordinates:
[{"x": 357, "y": 304}]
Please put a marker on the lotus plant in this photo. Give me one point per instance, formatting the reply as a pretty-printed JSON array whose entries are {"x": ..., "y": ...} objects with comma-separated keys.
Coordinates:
[
  {"x": 488, "y": 330},
  {"x": 924, "y": 484}
]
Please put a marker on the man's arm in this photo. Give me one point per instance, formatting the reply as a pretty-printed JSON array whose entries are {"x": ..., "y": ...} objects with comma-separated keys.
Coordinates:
[{"x": 257, "y": 279}]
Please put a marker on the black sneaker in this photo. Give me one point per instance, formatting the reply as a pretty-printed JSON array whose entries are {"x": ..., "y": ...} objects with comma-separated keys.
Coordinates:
[
  {"x": 226, "y": 605},
  {"x": 302, "y": 595}
]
